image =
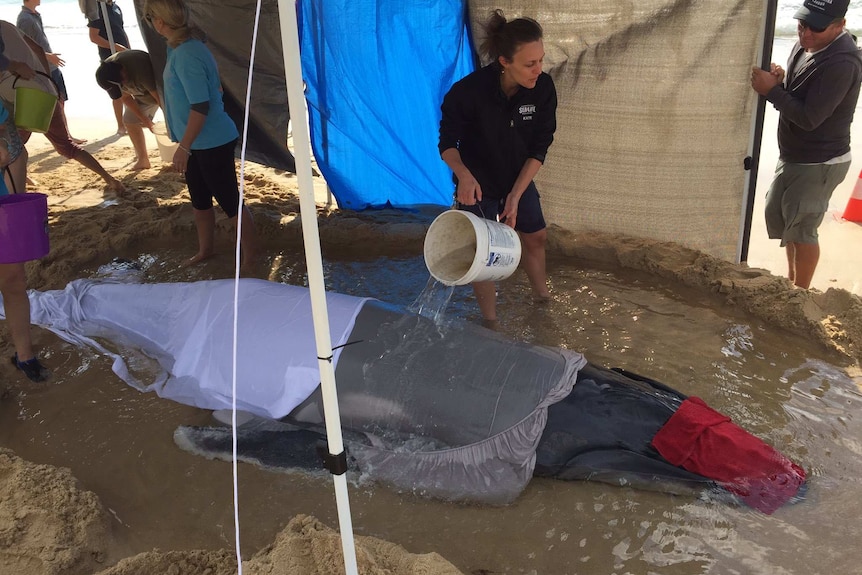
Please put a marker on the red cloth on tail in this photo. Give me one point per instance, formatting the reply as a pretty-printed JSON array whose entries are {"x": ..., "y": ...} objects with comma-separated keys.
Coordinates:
[{"x": 704, "y": 441}]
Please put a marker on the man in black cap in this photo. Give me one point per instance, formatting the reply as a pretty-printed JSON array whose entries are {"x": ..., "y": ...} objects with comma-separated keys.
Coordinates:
[
  {"x": 815, "y": 99},
  {"x": 129, "y": 76}
]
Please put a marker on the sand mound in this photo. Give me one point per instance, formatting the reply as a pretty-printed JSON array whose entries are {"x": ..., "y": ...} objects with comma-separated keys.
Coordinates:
[
  {"x": 48, "y": 525},
  {"x": 304, "y": 547},
  {"x": 176, "y": 563},
  {"x": 833, "y": 318},
  {"x": 88, "y": 223},
  {"x": 308, "y": 547}
]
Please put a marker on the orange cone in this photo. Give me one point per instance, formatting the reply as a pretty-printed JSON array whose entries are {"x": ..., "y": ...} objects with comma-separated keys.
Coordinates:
[{"x": 853, "y": 212}]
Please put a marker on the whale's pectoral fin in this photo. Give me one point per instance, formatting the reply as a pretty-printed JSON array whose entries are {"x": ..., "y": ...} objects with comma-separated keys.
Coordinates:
[{"x": 274, "y": 449}]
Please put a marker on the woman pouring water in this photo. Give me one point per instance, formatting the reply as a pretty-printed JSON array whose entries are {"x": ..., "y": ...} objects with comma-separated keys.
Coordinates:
[{"x": 497, "y": 125}]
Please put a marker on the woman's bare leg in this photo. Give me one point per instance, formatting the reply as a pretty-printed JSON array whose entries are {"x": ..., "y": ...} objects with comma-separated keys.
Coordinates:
[
  {"x": 205, "y": 226},
  {"x": 486, "y": 297},
  {"x": 13, "y": 286},
  {"x": 533, "y": 260},
  {"x": 139, "y": 143},
  {"x": 18, "y": 170}
]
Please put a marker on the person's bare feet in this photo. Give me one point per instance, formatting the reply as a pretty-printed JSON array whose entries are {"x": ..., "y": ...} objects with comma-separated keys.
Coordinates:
[
  {"x": 196, "y": 259},
  {"x": 541, "y": 294},
  {"x": 121, "y": 131},
  {"x": 141, "y": 165}
]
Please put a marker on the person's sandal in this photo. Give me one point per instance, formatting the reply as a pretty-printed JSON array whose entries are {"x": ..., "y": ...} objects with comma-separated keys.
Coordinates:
[{"x": 32, "y": 368}]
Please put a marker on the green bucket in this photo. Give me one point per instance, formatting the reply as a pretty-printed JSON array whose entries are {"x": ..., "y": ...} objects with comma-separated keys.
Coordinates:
[{"x": 33, "y": 109}]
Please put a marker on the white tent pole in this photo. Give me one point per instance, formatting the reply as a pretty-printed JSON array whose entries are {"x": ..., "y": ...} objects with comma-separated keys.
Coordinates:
[
  {"x": 103, "y": 6},
  {"x": 314, "y": 263}
]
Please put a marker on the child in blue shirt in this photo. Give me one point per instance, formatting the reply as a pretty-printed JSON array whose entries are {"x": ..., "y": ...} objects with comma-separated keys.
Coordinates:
[{"x": 207, "y": 136}]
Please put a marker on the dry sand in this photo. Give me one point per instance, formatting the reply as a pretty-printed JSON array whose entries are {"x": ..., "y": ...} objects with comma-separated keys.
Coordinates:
[{"x": 48, "y": 525}]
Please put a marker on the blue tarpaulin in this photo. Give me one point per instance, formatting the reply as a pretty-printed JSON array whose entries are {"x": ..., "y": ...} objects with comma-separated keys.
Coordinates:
[{"x": 376, "y": 72}]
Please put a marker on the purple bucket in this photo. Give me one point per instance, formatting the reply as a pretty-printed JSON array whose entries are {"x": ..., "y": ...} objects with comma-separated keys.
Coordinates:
[{"x": 23, "y": 227}]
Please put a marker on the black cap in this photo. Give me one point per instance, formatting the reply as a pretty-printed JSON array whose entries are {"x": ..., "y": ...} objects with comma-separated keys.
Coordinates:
[
  {"x": 109, "y": 75},
  {"x": 821, "y": 13}
]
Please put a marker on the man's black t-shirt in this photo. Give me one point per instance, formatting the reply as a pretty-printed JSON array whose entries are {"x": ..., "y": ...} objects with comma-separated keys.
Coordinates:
[{"x": 115, "y": 15}]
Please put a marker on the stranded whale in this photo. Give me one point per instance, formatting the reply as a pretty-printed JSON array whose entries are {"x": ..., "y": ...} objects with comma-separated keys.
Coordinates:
[{"x": 453, "y": 411}]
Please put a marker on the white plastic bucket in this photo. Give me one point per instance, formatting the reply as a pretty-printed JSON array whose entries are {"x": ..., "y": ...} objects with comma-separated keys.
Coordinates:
[
  {"x": 462, "y": 248},
  {"x": 167, "y": 148}
]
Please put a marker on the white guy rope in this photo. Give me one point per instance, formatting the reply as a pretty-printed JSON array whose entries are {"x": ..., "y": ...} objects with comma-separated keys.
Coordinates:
[{"x": 237, "y": 255}]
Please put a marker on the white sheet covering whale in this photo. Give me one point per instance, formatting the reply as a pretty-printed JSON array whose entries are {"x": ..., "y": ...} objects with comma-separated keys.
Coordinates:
[{"x": 187, "y": 328}]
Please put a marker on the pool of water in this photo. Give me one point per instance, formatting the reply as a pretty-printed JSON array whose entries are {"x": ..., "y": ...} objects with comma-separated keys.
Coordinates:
[{"x": 794, "y": 395}]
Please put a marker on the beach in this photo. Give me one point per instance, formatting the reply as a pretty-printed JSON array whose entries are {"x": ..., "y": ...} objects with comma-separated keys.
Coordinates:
[
  {"x": 103, "y": 489},
  {"x": 90, "y": 226}
]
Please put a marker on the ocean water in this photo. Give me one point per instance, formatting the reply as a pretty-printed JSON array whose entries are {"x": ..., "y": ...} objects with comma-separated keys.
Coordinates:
[{"x": 67, "y": 32}]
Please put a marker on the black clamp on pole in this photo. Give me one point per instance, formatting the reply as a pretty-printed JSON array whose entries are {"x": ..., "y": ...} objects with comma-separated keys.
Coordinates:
[{"x": 335, "y": 464}]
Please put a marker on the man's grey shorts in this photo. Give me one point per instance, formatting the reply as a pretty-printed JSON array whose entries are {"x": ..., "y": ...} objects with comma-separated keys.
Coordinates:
[
  {"x": 798, "y": 199},
  {"x": 149, "y": 111}
]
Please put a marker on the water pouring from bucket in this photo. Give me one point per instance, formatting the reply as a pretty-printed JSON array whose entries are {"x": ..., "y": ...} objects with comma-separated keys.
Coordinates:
[{"x": 462, "y": 248}]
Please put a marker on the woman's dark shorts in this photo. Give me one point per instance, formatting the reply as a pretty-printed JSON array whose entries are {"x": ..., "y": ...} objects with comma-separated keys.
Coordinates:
[
  {"x": 211, "y": 173},
  {"x": 530, "y": 218}
]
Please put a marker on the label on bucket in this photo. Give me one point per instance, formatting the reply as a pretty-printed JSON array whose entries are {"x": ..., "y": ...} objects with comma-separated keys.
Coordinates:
[
  {"x": 501, "y": 238},
  {"x": 496, "y": 259}
]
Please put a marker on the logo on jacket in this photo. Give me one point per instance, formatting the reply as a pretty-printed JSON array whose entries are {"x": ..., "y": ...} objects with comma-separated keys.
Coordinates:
[{"x": 527, "y": 111}]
